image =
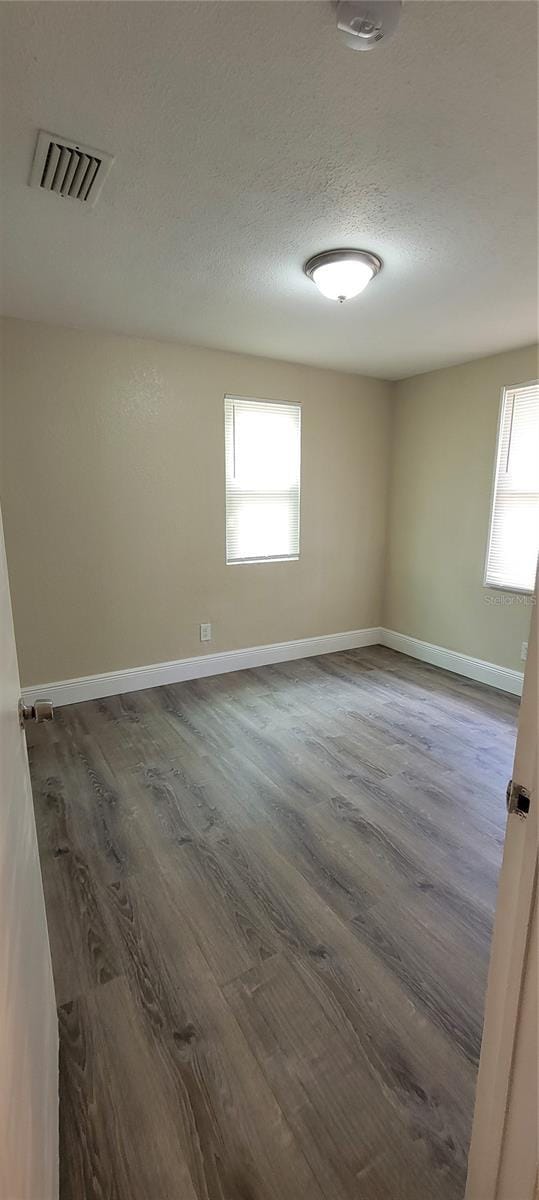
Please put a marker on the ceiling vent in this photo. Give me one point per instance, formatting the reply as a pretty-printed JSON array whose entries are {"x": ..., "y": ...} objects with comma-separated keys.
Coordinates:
[{"x": 68, "y": 168}]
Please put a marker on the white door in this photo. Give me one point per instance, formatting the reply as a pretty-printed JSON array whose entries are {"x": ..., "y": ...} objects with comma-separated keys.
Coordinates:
[
  {"x": 502, "y": 1163},
  {"x": 28, "y": 1023}
]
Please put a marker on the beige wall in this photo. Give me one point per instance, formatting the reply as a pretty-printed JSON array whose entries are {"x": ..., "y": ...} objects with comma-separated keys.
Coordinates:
[
  {"x": 443, "y": 448},
  {"x": 114, "y": 502},
  {"x": 113, "y": 466}
]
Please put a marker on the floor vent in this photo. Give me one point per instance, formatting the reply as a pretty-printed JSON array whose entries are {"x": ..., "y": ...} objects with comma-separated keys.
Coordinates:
[{"x": 69, "y": 169}]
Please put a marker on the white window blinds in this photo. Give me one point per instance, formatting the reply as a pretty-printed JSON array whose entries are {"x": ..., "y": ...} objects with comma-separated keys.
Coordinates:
[
  {"x": 262, "y": 452},
  {"x": 514, "y": 526}
]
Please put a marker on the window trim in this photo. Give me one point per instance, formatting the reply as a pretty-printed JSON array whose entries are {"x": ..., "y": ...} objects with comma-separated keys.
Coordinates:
[
  {"x": 502, "y": 587},
  {"x": 286, "y": 558}
]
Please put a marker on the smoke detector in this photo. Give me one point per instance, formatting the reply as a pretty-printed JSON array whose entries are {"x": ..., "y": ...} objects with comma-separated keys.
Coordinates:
[
  {"x": 364, "y": 23},
  {"x": 68, "y": 168}
]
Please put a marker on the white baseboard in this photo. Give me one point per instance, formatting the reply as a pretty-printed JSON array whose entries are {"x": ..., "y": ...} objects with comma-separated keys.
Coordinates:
[
  {"x": 451, "y": 660},
  {"x": 134, "y": 679}
]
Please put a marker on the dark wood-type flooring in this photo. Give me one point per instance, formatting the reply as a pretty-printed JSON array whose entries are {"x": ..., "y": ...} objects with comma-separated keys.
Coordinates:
[{"x": 270, "y": 898}]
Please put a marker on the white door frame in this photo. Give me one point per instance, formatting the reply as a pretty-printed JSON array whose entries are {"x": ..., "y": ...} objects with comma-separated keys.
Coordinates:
[
  {"x": 28, "y": 1022},
  {"x": 496, "y": 1144}
]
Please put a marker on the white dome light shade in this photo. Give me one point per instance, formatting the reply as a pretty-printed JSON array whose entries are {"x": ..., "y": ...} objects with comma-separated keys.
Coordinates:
[
  {"x": 342, "y": 280},
  {"x": 342, "y": 274}
]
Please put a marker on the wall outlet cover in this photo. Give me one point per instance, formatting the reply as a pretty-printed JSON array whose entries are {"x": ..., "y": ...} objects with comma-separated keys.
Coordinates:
[
  {"x": 205, "y": 632},
  {"x": 524, "y": 651}
]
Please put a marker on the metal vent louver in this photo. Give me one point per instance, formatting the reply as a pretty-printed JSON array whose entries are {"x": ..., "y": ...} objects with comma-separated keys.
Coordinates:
[{"x": 68, "y": 168}]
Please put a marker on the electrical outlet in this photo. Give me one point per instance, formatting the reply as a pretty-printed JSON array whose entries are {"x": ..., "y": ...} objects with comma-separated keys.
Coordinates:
[
  {"x": 205, "y": 632},
  {"x": 524, "y": 651}
]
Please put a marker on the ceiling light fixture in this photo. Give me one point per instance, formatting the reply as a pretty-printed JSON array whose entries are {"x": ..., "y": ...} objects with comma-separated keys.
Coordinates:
[
  {"x": 363, "y": 23},
  {"x": 342, "y": 274}
]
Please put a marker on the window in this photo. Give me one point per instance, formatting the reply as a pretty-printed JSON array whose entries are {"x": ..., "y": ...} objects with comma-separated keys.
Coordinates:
[
  {"x": 262, "y": 444},
  {"x": 514, "y": 524}
]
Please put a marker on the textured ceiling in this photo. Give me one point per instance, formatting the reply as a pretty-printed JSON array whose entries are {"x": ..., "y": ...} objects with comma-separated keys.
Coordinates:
[{"x": 248, "y": 138}]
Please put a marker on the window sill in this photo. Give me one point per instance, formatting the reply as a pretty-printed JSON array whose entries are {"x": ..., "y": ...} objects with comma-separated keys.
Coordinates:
[
  {"x": 505, "y": 587},
  {"x": 249, "y": 562}
]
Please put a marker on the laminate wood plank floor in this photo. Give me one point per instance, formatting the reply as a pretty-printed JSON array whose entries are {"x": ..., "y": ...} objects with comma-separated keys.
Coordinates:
[{"x": 270, "y": 897}]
